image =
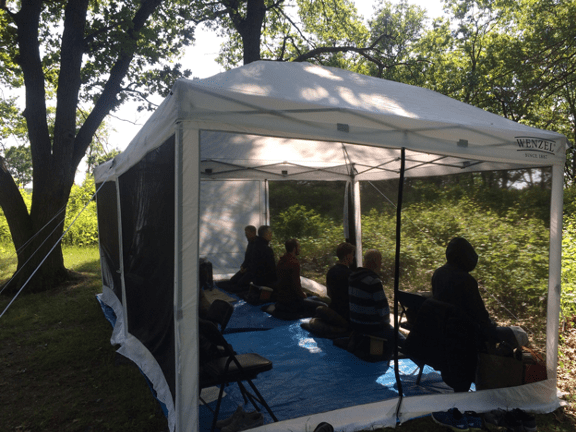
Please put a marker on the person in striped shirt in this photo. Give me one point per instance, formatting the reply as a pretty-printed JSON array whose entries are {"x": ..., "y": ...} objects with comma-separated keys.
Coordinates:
[{"x": 369, "y": 309}]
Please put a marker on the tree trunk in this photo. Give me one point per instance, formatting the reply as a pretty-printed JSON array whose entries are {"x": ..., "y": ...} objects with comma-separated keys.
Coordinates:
[
  {"x": 55, "y": 156},
  {"x": 34, "y": 234},
  {"x": 250, "y": 29}
]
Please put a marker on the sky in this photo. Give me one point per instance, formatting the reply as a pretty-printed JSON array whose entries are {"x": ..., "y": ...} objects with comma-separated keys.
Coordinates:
[{"x": 200, "y": 60}]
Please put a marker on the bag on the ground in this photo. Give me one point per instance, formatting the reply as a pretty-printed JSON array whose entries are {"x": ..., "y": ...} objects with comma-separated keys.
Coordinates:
[
  {"x": 499, "y": 368},
  {"x": 534, "y": 366}
]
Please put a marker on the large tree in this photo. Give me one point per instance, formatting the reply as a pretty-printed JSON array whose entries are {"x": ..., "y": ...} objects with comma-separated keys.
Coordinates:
[
  {"x": 403, "y": 24},
  {"x": 89, "y": 57},
  {"x": 513, "y": 58},
  {"x": 77, "y": 55},
  {"x": 328, "y": 32}
]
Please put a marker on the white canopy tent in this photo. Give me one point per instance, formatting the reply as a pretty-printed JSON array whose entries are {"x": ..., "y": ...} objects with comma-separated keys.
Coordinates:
[{"x": 277, "y": 121}]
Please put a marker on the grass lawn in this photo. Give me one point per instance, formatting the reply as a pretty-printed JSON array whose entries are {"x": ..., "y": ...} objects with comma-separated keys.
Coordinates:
[{"x": 60, "y": 373}]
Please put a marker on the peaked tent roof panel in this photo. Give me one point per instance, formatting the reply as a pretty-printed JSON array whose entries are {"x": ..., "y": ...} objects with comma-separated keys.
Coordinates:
[{"x": 304, "y": 101}]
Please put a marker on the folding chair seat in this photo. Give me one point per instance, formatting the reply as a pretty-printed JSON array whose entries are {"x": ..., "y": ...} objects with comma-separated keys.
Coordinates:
[{"x": 232, "y": 368}]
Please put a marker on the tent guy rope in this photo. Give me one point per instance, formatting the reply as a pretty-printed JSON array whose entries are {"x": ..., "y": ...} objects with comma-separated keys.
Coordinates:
[{"x": 49, "y": 252}]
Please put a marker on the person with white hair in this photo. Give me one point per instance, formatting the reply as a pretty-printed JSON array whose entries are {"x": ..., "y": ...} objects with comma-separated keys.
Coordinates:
[{"x": 369, "y": 309}]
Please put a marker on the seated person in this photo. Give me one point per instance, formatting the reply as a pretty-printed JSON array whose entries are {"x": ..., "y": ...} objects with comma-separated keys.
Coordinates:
[
  {"x": 369, "y": 310},
  {"x": 289, "y": 294},
  {"x": 453, "y": 284},
  {"x": 337, "y": 313},
  {"x": 241, "y": 280},
  {"x": 337, "y": 280},
  {"x": 263, "y": 264}
]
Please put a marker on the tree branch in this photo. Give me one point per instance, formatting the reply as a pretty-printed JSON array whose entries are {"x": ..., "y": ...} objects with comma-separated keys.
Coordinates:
[
  {"x": 140, "y": 94},
  {"x": 281, "y": 12},
  {"x": 108, "y": 99},
  {"x": 72, "y": 49},
  {"x": 362, "y": 51},
  {"x": 27, "y": 23}
]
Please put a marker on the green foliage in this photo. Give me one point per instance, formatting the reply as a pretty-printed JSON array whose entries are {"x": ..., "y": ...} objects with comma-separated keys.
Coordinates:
[
  {"x": 513, "y": 248},
  {"x": 397, "y": 27},
  {"x": 5, "y": 237},
  {"x": 297, "y": 222},
  {"x": 84, "y": 231},
  {"x": 12, "y": 123},
  {"x": 318, "y": 235},
  {"x": 569, "y": 266},
  {"x": 19, "y": 163},
  {"x": 326, "y": 198}
]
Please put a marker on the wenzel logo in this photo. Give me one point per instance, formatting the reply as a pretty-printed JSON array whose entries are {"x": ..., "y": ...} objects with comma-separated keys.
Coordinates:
[{"x": 538, "y": 145}]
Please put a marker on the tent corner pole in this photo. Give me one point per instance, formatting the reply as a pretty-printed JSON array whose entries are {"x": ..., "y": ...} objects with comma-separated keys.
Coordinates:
[
  {"x": 397, "y": 278},
  {"x": 357, "y": 221},
  {"x": 554, "y": 271}
]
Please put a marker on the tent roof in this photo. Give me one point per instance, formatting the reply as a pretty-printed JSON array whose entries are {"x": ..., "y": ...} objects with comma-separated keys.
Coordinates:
[{"x": 330, "y": 108}]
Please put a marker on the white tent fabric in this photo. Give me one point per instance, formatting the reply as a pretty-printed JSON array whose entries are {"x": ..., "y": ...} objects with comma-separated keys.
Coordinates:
[
  {"x": 222, "y": 221},
  {"x": 270, "y": 120}
]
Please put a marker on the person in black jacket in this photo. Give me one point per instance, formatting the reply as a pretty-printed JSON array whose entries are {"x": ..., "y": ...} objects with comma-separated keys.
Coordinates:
[
  {"x": 243, "y": 277},
  {"x": 263, "y": 266},
  {"x": 337, "y": 280},
  {"x": 452, "y": 283}
]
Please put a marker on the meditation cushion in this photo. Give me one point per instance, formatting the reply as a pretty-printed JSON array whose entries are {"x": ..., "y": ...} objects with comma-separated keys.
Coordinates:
[
  {"x": 283, "y": 314},
  {"x": 319, "y": 327}
]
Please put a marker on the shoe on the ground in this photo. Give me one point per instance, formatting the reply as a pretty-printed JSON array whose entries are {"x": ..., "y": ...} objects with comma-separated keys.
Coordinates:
[
  {"x": 247, "y": 420},
  {"x": 324, "y": 427},
  {"x": 474, "y": 421},
  {"x": 452, "y": 419},
  {"x": 251, "y": 420},
  {"x": 513, "y": 422},
  {"x": 528, "y": 421},
  {"x": 225, "y": 422},
  {"x": 495, "y": 419}
]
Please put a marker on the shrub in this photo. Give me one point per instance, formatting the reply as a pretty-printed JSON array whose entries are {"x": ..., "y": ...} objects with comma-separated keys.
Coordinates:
[
  {"x": 84, "y": 231},
  {"x": 298, "y": 222},
  {"x": 568, "y": 300},
  {"x": 513, "y": 249}
]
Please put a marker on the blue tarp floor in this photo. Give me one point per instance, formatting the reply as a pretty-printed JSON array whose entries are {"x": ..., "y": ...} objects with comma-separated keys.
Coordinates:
[{"x": 310, "y": 375}]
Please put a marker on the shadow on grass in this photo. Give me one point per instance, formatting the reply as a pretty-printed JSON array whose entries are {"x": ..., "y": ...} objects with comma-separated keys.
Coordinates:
[{"x": 91, "y": 267}]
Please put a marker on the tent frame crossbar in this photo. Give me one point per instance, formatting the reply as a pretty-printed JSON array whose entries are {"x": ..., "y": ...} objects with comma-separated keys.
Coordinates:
[
  {"x": 333, "y": 170},
  {"x": 286, "y": 115},
  {"x": 262, "y": 169}
]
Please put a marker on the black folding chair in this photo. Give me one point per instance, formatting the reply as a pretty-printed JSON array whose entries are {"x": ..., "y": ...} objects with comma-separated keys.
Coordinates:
[
  {"x": 230, "y": 368},
  {"x": 410, "y": 304},
  {"x": 219, "y": 313}
]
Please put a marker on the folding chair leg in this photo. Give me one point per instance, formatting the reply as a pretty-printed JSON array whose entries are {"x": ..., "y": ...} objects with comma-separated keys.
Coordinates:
[
  {"x": 217, "y": 410},
  {"x": 255, "y": 398},
  {"x": 246, "y": 395},
  {"x": 420, "y": 374},
  {"x": 205, "y": 404},
  {"x": 262, "y": 401}
]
